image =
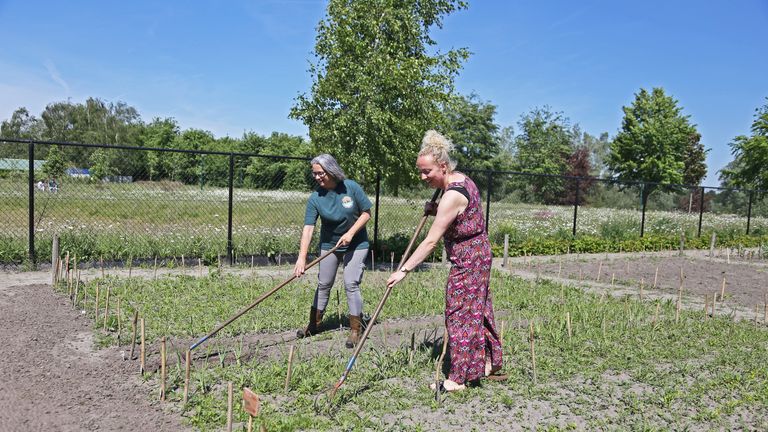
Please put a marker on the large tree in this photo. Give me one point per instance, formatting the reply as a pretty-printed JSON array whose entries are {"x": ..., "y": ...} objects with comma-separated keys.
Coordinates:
[
  {"x": 543, "y": 146},
  {"x": 653, "y": 142},
  {"x": 378, "y": 83},
  {"x": 748, "y": 168}
]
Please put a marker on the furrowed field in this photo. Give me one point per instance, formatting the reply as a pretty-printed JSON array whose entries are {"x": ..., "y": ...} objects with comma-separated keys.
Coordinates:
[{"x": 601, "y": 361}]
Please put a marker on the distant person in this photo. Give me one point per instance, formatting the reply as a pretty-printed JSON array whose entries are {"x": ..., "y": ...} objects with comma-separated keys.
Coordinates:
[
  {"x": 343, "y": 209},
  {"x": 474, "y": 346},
  {"x": 40, "y": 185}
]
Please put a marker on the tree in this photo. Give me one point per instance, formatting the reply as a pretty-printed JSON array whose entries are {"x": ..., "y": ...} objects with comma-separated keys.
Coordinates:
[
  {"x": 378, "y": 84},
  {"x": 695, "y": 155},
  {"x": 543, "y": 147},
  {"x": 469, "y": 123},
  {"x": 267, "y": 173},
  {"x": 747, "y": 170},
  {"x": 578, "y": 166},
  {"x": 653, "y": 142},
  {"x": 54, "y": 165},
  {"x": 21, "y": 125},
  {"x": 101, "y": 165},
  {"x": 159, "y": 134}
]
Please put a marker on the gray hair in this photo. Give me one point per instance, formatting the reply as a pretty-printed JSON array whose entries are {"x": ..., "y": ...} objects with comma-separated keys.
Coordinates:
[{"x": 330, "y": 166}]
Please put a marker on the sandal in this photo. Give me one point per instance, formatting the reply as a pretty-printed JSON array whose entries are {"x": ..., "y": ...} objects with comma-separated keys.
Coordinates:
[{"x": 445, "y": 390}]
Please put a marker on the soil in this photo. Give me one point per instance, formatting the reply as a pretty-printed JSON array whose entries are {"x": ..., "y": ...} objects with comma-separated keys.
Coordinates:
[
  {"x": 746, "y": 278},
  {"x": 54, "y": 378}
]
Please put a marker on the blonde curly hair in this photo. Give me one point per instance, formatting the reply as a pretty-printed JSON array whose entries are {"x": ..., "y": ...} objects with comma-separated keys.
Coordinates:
[{"x": 439, "y": 147}]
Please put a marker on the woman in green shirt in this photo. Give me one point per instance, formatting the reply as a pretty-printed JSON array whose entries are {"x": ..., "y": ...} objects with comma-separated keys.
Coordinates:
[{"x": 343, "y": 209}]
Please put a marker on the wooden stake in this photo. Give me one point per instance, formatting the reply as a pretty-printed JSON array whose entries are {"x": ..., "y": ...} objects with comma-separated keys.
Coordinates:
[
  {"x": 200, "y": 267},
  {"x": 706, "y": 305},
  {"x": 712, "y": 245},
  {"x": 290, "y": 366},
  {"x": 656, "y": 314},
  {"x": 101, "y": 266},
  {"x": 679, "y": 303},
  {"x": 154, "y": 271},
  {"x": 77, "y": 289},
  {"x": 130, "y": 266},
  {"x": 656, "y": 277},
  {"x": 96, "y": 311},
  {"x": 106, "y": 307},
  {"x": 533, "y": 351},
  {"x": 133, "y": 331},
  {"x": 506, "y": 250},
  {"x": 613, "y": 279},
  {"x": 162, "y": 369},
  {"x": 187, "y": 366},
  {"x": 142, "y": 369},
  {"x": 391, "y": 262},
  {"x": 599, "y": 271},
  {"x": 501, "y": 334},
  {"x": 54, "y": 259},
  {"x": 642, "y": 284},
  {"x": 722, "y": 290},
  {"x": 568, "y": 324},
  {"x": 119, "y": 325},
  {"x": 229, "y": 406},
  {"x": 559, "y": 268},
  {"x": 714, "y": 302}
]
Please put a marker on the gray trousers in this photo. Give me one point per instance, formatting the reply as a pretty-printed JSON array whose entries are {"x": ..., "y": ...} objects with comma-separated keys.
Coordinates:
[{"x": 354, "y": 266}]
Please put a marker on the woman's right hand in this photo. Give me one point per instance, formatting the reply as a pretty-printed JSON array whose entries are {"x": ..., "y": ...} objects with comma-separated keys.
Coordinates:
[{"x": 298, "y": 269}]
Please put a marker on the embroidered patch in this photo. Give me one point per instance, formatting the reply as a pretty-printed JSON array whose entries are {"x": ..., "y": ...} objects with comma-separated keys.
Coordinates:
[{"x": 346, "y": 201}]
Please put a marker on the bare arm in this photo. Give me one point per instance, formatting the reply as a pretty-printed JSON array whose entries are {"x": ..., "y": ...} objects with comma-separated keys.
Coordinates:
[
  {"x": 359, "y": 223},
  {"x": 301, "y": 260},
  {"x": 450, "y": 206}
]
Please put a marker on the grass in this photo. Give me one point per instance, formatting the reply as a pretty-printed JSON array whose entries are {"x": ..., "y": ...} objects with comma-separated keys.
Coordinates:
[{"x": 621, "y": 368}]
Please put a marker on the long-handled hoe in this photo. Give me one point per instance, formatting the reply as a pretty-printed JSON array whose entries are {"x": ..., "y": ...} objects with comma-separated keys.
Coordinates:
[
  {"x": 260, "y": 299},
  {"x": 323, "y": 400}
]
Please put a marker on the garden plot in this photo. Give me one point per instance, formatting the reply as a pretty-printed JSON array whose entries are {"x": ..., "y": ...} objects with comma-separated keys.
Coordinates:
[
  {"x": 738, "y": 281},
  {"x": 601, "y": 362}
]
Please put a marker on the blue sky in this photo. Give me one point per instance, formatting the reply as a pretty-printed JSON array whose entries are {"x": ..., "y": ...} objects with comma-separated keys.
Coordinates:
[{"x": 237, "y": 66}]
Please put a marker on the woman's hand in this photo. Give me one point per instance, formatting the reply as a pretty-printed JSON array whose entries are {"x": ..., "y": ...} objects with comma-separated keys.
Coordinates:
[
  {"x": 345, "y": 239},
  {"x": 298, "y": 269},
  {"x": 394, "y": 278}
]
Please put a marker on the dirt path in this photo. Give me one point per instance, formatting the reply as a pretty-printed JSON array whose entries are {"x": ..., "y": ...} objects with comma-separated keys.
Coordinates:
[{"x": 53, "y": 379}]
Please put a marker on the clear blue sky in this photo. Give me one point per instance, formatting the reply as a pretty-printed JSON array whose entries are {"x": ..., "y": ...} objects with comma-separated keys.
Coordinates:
[{"x": 237, "y": 66}]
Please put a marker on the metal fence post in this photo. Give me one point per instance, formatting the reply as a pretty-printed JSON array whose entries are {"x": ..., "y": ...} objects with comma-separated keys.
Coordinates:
[
  {"x": 644, "y": 202},
  {"x": 229, "y": 216},
  {"x": 488, "y": 200},
  {"x": 749, "y": 210},
  {"x": 31, "y": 181},
  {"x": 575, "y": 207},
  {"x": 701, "y": 210},
  {"x": 376, "y": 213}
]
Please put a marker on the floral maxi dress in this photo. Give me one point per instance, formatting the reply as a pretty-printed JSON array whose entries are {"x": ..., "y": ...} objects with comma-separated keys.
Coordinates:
[{"x": 472, "y": 335}]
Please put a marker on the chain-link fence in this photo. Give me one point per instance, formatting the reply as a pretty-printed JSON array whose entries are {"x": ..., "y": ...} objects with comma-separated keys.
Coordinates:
[{"x": 116, "y": 203}]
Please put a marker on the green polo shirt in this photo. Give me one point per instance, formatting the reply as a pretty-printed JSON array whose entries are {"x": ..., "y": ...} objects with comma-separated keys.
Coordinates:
[{"x": 338, "y": 210}]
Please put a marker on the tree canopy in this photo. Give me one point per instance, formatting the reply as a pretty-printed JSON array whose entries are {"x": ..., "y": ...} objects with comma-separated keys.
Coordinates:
[
  {"x": 378, "y": 83},
  {"x": 748, "y": 168},
  {"x": 653, "y": 142}
]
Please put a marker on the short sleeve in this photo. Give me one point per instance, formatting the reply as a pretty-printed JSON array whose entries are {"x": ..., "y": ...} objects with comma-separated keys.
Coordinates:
[
  {"x": 311, "y": 214},
  {"x": 364, "y": 204}
]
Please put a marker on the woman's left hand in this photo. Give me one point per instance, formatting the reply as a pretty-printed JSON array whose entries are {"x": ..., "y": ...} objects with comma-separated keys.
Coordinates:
[
  {"x": 395, "y": 278},
  {"x": 345, "y": 239}
]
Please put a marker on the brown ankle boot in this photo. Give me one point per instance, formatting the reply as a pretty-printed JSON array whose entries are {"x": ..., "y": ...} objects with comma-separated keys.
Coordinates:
[
  {"x": 315, "y": 321},
  {"x": 355, "y": 326}
]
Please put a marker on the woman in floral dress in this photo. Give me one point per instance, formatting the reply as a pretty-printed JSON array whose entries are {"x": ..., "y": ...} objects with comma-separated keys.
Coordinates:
[{"x": 475, "y": 350}]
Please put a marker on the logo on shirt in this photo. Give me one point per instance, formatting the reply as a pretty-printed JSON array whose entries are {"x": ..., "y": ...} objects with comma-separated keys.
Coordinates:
[{"x": 347, "y": 202}]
